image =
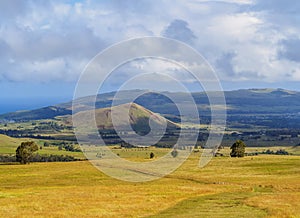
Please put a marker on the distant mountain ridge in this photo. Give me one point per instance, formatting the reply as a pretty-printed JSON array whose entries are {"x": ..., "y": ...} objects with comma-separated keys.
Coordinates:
[
  {"x": 49, "y": 112},
  {"x": 280, "y": 106}
]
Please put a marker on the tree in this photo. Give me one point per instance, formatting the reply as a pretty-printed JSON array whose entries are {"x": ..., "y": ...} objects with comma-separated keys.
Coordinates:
[
  {"x": 238, "y": 149},
  {"x": 25, "y": 151},
  {"x": 151, "y": 155},
  {"x": 174, "y": 153}
]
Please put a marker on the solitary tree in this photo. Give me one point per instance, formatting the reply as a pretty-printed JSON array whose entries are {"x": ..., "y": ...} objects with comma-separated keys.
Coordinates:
[
  {"x": 25, "y": 151},
  {"x": 238, "y": 149},
  {"x": 174, "y": 153}
]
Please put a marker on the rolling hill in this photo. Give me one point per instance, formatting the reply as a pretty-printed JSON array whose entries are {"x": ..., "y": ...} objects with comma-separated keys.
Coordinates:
[
  {"x": 8, "y": 144},
  {"x": 139, "y": 118}
]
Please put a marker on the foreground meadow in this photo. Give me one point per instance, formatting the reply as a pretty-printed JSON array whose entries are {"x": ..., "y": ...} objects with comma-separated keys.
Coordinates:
[{"x": 259, "y": 186}]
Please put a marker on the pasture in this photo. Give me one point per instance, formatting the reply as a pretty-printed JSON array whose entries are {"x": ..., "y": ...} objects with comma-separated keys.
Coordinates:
[
  {"x": 8, "y": 146},
  {"x": 258, "y": 186}
]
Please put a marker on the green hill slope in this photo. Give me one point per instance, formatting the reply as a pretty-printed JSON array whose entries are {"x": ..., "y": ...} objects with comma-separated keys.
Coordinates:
[{"x": 8, "y": 145}]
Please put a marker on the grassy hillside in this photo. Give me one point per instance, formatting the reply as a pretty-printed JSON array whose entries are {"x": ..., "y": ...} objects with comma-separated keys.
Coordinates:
[
  {"x": 8, "y": 145},
  {"x": 138, "y": 117},
  {"x": 260, "y": 186}
]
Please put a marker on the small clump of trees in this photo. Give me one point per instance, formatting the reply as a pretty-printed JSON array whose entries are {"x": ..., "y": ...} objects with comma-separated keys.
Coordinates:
[
  {"x": 25, "y": 152},
  {"x": 238, "y": 149},
  {"x": 278, "y": 152},
  {"x": 63, "y": 145},
  {"x": 71, "y": 148}
]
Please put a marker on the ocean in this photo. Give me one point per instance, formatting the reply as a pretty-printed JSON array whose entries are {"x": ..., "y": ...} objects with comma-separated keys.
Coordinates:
[{"x": 16, "y": 104}]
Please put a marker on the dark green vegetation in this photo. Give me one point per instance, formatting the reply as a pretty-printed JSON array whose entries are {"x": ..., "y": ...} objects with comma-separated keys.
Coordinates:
[{"x": 238, "y": 149}]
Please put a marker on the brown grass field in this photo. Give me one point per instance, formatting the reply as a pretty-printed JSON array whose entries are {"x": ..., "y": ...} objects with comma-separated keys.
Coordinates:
[{"x": 259, "y": 186}]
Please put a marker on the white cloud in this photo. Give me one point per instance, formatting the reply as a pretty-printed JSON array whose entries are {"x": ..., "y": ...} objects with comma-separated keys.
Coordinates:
[{"x": 243, "y": 39}]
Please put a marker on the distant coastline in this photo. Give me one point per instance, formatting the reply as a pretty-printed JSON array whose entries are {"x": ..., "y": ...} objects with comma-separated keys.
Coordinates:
[{"x": 13, "y": 104}]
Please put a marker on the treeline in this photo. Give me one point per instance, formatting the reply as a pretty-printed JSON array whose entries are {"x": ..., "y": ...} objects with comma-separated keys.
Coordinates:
[
  {"x": 270, "y": 152},
  {"x": 278, "y": 152},
  {"x": 67, "y": 146},
  {"x": 25, "y": 134},
  {"x": 282, "y": 121},
  {"x": 70, "y": 147},
  {"x": 46, "y": 126},
  {"x": 40, "y": 158}
]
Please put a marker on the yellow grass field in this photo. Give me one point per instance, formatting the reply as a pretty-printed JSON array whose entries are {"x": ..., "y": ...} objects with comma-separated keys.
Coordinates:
[{"x": 259, "y": 186}]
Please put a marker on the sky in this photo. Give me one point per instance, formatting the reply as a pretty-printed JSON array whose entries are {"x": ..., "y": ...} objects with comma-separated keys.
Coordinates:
[{"x": 45, "y": 45}]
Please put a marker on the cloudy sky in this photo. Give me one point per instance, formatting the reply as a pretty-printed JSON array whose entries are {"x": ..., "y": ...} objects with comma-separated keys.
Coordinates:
[{"x": 45, "y": 45}]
